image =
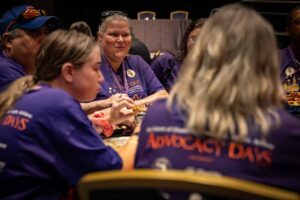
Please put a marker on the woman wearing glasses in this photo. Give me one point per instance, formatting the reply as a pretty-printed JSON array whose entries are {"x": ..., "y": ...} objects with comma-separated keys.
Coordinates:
[
  {"x": 167, "y": 66},
  {"x": 124, "y": 73}
]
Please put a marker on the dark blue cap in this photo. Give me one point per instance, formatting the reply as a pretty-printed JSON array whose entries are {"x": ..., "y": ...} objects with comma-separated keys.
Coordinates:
[{"x": 27, "y": 17}]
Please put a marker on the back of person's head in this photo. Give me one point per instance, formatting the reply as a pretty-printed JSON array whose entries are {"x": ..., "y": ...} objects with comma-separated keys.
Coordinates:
[
  {"x": 58, "y": 48},
  {"x": 82, "y": 27},
  {"x": 26, "y": 17},
  {"x": 70, "y": 46},
  {"x": 231, "y": 75},
  {"x": 198, "y": 23},
  {"x": 109, "y": 16}
]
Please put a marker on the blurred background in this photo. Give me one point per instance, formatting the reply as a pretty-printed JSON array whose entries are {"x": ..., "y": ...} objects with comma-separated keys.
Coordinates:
[{"x": 89, "y": 10}]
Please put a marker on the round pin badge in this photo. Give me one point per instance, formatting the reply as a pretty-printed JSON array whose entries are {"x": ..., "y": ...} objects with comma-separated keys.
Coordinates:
[
  {"x": 130, "y": 73},
  {"x": 289, "y": 71}
]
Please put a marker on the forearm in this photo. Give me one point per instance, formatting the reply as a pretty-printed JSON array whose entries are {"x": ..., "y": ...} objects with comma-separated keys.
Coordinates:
[
  {"x": 95, "y": 105},
  {"x": 127, "y": 153},
  {"x": 149, "y": 99}
]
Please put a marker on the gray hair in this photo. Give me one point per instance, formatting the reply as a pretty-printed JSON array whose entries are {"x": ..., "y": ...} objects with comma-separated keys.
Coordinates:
[
  {"x": 230, "y": 78},
  {"x": 103, "y": 26}
]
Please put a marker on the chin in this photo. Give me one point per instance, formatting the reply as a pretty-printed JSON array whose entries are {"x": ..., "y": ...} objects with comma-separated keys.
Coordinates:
[{"x": 88, "y": 99}]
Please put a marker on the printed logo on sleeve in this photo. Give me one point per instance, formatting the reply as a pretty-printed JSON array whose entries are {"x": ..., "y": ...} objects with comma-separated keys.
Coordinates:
[{"x": 17, "y": 119}]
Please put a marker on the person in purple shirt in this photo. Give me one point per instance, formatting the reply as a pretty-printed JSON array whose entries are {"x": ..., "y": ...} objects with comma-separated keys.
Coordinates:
[
  {"x": 166, "y": 66},
  {"x": 124, "y": 73},
  {"x": 224, "y": 116},
  {"x": 47, "y": 142},
  {"x": 22, "y": 29},
  {"x": 290, "y": 63}
]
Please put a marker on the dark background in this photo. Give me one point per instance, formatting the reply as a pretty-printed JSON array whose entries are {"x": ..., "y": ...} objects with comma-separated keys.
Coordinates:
[
  {"x": 89, "y": 10},
  {"x": 70, "y": 11}
]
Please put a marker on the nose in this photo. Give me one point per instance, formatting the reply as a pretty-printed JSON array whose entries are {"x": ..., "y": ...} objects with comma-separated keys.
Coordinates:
[
  {"x": 100, "y": 78},
  {"x": 120, "y": 38}
]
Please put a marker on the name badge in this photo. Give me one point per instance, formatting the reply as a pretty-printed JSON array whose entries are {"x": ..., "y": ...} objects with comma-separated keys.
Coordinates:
[{"x": 130, "y": 73}]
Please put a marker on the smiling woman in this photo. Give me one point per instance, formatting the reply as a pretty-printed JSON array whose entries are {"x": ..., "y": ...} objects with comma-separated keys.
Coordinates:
[{"x": 124, "y": 73}]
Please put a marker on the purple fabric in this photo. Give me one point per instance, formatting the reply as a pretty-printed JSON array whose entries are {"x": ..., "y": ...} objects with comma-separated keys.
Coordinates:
[
  {"x": 289, "y": 62},
  {"x": 164, "y": 143},
  {"x": 9, "y": 71},
  {"x": 166, "y": 68},
  {"x": 290, "y": 76},
  {"x": 141, "y": 80},
  {"x": 47, "y": 145}
]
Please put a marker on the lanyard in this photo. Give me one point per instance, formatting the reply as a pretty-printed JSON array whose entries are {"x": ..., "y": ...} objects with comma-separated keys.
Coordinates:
[{"x": 116, "y": 80}]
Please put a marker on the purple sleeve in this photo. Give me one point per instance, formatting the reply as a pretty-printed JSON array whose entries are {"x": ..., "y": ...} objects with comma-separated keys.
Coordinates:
[
  {"x": 161, "y": 65},
  {"x": 152, "y": 83},
  {"x": 84, "y": 152},
  {"x": 9, "y": 72},
  {"x": 166, "y": 68},
  {"x": 83, "y": 149}
]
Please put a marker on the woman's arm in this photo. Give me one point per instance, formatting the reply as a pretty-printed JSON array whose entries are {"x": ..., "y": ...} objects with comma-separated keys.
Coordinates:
[
  {"x": 151, "y": 98},
  {"x": 127, "y": 153},
  {"x": 93, "y": 106}
]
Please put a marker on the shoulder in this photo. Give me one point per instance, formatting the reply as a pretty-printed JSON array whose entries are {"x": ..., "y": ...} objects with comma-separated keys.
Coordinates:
[
  {"x": 167, "y": 60},
  {"x": 165, "y": 57},
  {"x": 53, "y": 99},
  {"x": 136, "y": 62},
  {"x": 134, "y": 59},
  {"x": 158, "y": 107},
  {"x": 288, "y": 121},
  {"x": 9, "y": 67}
]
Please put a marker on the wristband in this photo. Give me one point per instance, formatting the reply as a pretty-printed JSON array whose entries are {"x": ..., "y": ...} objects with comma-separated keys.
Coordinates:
[{"x": 105, "y": 125}]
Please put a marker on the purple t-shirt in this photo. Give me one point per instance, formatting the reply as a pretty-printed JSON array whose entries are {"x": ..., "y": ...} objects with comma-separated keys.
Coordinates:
[
  {"x": 164, "y": 143},
  {"x": 290, "y": 69},
  {"x": 9, "y": 71},
  {"x": 47, "y": 145},
  {"x": 166, "y": 69},
  {"x": 290, "y": 77},
  {"x": 135, "y": 77}
]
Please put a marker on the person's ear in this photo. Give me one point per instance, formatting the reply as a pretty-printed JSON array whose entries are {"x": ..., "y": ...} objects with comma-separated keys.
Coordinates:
[
  {"x": 100, "y": 37},
  {"x": 67, "y": 72},
  {"x": 7, "y": 40}
]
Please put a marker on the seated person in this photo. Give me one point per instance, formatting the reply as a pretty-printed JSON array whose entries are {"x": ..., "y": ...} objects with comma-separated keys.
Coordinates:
[
  {"x": 47, "y": 141},
  {"x": 290, "y": 64},
  {"x": 139, "y": 48},
  {"x": 225, "y": 115},
  {"x": 22, "y": 29},
  {"x": 124, "y": 73},
  {"x": 82, "y": 27},
  {"x": 166, "y": 66}
]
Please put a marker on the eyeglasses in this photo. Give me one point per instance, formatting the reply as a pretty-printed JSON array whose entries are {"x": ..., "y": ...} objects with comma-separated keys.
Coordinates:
[
  {"x": 109, "y": 13},
  {"x": 27, "y": 15}
]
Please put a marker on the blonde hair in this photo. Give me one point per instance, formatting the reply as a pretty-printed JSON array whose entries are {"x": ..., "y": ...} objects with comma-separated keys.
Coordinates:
[
  {"x": 230, "y": 78},
  {"x": 58, "y": 48}
]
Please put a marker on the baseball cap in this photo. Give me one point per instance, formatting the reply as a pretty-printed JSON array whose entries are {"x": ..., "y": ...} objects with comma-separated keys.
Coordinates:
[{"x": 27, "y": 17}]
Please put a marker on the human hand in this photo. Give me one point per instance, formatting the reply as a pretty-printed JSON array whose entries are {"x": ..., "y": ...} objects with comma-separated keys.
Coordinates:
[{"x": 121, "y": 112}]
